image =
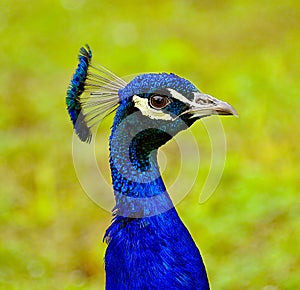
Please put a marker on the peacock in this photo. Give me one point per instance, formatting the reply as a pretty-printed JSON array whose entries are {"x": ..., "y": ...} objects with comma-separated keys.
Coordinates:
[{"x": 148, "y": 246}]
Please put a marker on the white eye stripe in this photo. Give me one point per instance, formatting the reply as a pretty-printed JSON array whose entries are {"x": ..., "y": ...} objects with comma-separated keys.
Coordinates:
[
  {"x": 181, "y": 97},
  {"x": 209, "y": 99},
  {"x": 143, "y": 105}
]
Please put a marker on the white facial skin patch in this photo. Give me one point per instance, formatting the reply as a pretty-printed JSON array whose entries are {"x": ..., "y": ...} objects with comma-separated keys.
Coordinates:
[
  {"x": 143, "y": 105},
  {"x": 181, "y": 97}
]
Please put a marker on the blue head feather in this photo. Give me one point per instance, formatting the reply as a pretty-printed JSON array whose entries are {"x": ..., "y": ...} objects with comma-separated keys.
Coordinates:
[{"x": 152, "y": 82}]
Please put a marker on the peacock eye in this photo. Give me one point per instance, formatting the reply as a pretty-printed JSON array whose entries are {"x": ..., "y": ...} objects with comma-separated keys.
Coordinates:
[{"x": 159, "y": 102}]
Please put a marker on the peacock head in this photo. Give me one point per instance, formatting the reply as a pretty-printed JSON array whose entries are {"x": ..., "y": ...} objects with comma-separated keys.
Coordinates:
[
  {"x": 156, "y": 106},
  {"x": 163, "y": 96}
]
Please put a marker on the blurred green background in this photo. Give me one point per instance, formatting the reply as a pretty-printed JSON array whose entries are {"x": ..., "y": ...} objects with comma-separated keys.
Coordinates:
[{"x": 245, "y": 52}]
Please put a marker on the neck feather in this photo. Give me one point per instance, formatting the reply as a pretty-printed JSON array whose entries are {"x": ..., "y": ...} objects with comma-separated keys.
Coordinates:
[{"x": 138, "y": 186}]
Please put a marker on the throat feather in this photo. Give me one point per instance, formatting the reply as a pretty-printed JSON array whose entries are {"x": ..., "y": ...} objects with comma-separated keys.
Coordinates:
[{"x": 138, "y": 186}]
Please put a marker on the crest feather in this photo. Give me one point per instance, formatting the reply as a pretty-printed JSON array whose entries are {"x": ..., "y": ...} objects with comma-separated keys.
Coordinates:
[{"x": 92, "y": 94}]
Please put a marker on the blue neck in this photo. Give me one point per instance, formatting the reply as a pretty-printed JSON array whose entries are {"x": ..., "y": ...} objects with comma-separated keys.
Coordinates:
[{"x": 138, "y": 187}]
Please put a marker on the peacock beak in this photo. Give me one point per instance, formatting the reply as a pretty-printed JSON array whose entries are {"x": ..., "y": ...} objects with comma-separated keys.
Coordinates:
[
  {"x": 223, "y": 108},
  {"x": 206, "y": 105}
]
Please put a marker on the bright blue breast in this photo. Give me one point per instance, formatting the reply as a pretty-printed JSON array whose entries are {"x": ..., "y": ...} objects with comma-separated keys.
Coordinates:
[{"x": 153, "y": 253}]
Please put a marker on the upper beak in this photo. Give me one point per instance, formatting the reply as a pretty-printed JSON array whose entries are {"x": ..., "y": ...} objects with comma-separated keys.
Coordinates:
[{"x": 206, "y": 105}]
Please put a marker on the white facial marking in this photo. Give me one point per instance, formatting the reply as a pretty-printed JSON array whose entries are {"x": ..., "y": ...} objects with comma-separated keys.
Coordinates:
[
  {"x": 146, "y": 110},
  {"x": 195, "y": 102},
  {"x": 181, "y": 97}
]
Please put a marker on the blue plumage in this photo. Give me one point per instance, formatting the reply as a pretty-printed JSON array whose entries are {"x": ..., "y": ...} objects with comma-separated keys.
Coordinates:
[{"x": 148, "y": 245}]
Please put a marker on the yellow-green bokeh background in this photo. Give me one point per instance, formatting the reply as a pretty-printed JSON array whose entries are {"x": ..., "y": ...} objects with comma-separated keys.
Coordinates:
[{"x": 245, "y": 52}]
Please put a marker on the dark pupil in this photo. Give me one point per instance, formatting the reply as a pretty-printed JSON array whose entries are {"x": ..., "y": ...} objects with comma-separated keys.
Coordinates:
[{"x": 158, "y": 101}]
